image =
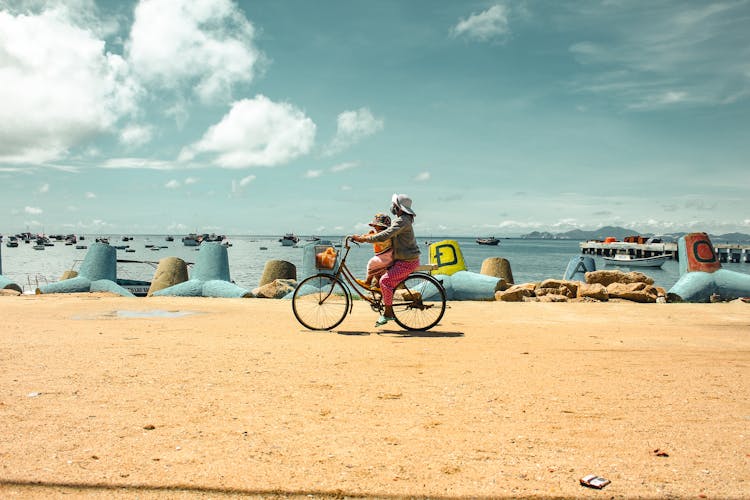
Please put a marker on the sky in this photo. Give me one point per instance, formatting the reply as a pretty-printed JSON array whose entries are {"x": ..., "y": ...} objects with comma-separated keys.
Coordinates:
[{"x": 275, "y": 116}]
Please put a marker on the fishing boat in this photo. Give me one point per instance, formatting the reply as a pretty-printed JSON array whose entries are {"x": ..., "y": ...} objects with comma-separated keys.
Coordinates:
[
  {"x": 191, "y": 240},
  {"x": 623, "y": 259},
  {"x": 288, "y": 240},
  {"x": 169, "y": 238},
  {"x": 12, "y": 242},
  {"x": 491, "y": 240}
]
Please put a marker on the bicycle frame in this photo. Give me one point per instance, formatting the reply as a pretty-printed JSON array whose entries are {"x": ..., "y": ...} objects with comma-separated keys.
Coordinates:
[{"x": 348, "y": 278}]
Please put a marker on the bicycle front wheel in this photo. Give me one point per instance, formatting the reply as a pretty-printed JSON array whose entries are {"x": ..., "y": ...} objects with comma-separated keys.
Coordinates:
[
  {"x": 419, "y": 302},
  {"x": 320, "y": 302}
]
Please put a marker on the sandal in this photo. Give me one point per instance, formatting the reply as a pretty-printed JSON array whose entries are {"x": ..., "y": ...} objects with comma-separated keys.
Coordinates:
[{"x": 382, "y": 320}]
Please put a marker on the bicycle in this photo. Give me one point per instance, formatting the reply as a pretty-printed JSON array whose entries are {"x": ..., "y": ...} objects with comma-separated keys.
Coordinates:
[{"x": 322, "y": 301}]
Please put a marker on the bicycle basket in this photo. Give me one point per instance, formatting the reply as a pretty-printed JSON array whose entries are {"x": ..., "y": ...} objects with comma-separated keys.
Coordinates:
[{"x": 325, "y": 257}]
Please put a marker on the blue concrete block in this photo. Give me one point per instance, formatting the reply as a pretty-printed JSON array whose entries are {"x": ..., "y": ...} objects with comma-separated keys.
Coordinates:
[
  {"x": 466, "y": 285},
  {"x": 224, "y": 289},
  {"x": 72, "y": 285},
  {"x": 6, "y": 283},
  {"x": 189, "y": 288},
  {"x": 110, "y": 286},
  {"x": 100, "y": 263},
  {"x": 212, "y": 263},
  {"x": 578, "y": 267}
]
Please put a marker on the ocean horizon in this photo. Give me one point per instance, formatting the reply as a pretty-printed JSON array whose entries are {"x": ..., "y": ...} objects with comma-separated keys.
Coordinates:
[{"x": 531, "y": 260}]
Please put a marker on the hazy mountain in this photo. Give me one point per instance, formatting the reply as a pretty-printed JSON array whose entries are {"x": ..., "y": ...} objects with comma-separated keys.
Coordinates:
[{"x": 620, "y": 233}]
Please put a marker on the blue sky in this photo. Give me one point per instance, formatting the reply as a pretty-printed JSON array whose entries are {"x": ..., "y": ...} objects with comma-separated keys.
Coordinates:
[{"x": 274, "y": 116}]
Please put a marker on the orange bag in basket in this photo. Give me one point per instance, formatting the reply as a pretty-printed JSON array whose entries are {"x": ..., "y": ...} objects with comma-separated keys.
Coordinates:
[{"x": 326, "y": 259}]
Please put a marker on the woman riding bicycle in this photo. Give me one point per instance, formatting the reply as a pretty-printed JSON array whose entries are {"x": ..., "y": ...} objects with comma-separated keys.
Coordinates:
[{"x": 405, "y": 251}]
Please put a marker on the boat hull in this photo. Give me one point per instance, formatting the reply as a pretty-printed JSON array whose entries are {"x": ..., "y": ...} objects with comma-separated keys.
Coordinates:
[{"x": 656, "y": 261}]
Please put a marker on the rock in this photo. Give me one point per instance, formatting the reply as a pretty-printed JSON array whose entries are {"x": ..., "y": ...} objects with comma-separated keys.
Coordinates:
[
  {"x": 498, "y": 268},
  {"x": 558, "y": 287},
  {"x": 553, "y": 298},
  {"x": 607, "y": 277},
  {"x": 170, "y": 271},
  {"x": 278, "y": 270},
  {"x": 277, "y": 289},
  {"x": 515, "y": 293},
  {"x": 593, "y": 291},
  {"x": 637, "y": 292}
]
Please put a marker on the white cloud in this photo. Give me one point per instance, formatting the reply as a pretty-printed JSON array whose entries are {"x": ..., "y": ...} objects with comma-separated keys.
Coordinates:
[
  {"x": 313, "y": 174},
  {"x": 492, "y": 23},
  {"x": 422, "y": 177},
  {"x": 44, "y": 188},
  {"x": 172, "y": 184},
  {"x": 256, "y": 132},
  {"x": 59, "y": 87},
  {"x": 191, "y": 180},
  {"x": 657, "y": 55},
  {"x": 144, "y": 163},
  {"x": 246, "y": 180},
  {"x": 136, "y": 135},
  {"x": 205, "y": 45},
  {"x": 346, "y": 188},
  {"x": 239, "y": 186},
  {"x": 352, "y": 127},
  {"x": 32, "y": 210},
  {"x": 89, "y": 195}
]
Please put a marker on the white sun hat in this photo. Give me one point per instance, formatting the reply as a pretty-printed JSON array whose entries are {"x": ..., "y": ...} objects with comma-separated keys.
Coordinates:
[{"x": 403, "y": 202}]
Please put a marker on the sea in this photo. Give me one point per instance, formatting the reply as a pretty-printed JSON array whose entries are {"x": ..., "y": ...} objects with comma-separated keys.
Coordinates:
[{"x": 530, "y": 260}]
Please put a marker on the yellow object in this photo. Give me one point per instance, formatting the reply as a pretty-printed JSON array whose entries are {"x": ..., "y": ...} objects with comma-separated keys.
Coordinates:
[
  {"x": 447, "y": 256},
  {"x": 326, "y": 259}
]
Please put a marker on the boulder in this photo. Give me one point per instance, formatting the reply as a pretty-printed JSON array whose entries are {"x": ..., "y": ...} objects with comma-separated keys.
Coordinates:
[
  {"x": 498, "y": 268},
  {"x": 559, "y": 287},
  {"x": 277, "y": 289},
  {"x": 278, "y": 270},
  {"x": 593, "y": 291},
  {"x": 169, "y": 272},
  {"x": 553, "y": 298},
  {"x": 637, "y": 292},
  {"x": 608, "y": 277},
  {"x": 515, "y": 293}
]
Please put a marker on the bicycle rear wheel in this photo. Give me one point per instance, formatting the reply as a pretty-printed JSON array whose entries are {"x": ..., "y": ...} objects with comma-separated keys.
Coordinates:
[
  {"x": 320, "y": 302},
  {"x": 419, "y": 302}
]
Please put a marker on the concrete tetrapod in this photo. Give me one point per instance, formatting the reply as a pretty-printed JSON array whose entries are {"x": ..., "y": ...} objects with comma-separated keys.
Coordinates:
[
  {"x": 210, "y": 276},
  {"x": 5, "y": 282},
  {"x": 98, "y": 273},
  {"x": 701, "y": 275}
]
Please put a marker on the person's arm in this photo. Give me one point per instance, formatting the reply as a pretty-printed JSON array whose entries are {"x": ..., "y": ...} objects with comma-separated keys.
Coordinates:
[{"x": 398, "y": 225}]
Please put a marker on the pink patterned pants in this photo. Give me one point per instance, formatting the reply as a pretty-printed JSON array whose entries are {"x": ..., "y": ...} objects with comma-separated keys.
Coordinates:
[{"x": 393, "y": 276}]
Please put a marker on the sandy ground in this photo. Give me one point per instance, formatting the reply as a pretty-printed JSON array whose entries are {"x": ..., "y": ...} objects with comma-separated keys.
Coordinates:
[{"x": 500, "y": 400}]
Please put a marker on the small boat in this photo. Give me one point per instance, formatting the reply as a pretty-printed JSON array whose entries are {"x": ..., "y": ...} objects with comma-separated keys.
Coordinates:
[
  {"x": 130, "y": 250},
  {"x": 191, "y": 240},
  {"x": 39, "y": 247},
  {"x": 169, "y": 238},
  {"x": 12, "y": 242},
  {"x": 81, "y": 247},
  {"x": 623, "y": 259},
  {"x": 288, "y": 240},
  {"x": 491, "y": 240}
]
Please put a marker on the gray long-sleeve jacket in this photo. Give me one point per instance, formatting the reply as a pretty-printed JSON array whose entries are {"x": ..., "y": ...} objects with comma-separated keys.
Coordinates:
[{"x": 401, "y": 233}]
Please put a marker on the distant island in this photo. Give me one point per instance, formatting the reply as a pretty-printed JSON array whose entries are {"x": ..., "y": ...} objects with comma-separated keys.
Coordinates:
[{"x": 620, "y": 233}]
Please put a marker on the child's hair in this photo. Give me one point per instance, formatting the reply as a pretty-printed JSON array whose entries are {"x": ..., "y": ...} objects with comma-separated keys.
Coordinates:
[{"x": 380, "y": 220}]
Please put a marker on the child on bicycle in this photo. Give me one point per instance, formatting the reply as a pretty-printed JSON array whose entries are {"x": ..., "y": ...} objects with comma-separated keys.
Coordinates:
[
  {"x": 383, "y": 258},
  {"x": 405, "y": 251}
]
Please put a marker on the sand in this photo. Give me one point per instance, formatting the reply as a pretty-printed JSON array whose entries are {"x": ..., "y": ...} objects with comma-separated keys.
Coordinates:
[{"x": 106, "y": 397}]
